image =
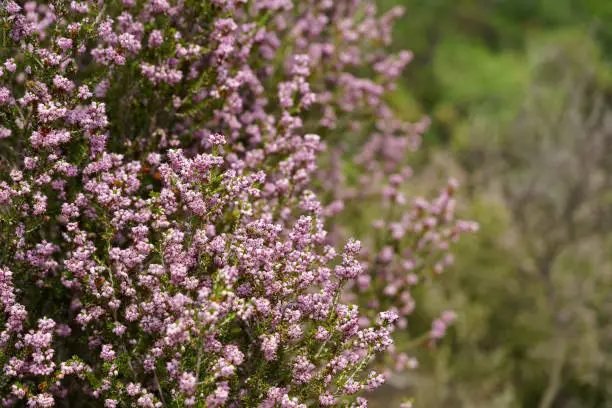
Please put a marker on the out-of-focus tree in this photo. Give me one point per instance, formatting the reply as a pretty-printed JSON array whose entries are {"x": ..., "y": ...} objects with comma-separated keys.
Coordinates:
[
  {"x": 476, "y": 39},
  {"x": 554, "y": 169},
  {"x": 532, "y": 287}
]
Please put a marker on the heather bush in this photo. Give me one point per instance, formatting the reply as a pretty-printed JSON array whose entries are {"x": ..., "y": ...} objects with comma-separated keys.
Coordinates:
[{"x": 164, "y": 216}]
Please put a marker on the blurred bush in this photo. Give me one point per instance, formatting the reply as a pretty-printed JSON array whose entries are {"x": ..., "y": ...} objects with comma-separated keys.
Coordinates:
[
  {"x": 521, "y": 96},
  {"x": 465, "y": 49}
]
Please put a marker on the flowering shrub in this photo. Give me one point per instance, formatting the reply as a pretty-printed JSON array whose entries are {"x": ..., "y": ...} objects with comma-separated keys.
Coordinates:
[{"x": 163, "y": 240}]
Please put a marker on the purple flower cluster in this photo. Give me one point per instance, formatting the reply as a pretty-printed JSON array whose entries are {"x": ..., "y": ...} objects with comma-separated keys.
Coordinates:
[{"x": 162, "y": 214}]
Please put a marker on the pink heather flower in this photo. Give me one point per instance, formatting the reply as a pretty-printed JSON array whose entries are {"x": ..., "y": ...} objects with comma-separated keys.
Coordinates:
[
  {"x": 10, "y": 65},
  {"x": 18, "y": 392},
  {"x": 110, "y": 403},
  {"x": 302, "y": 370},
  {"x": 155, "y": 39},
  {"x": 327, "y": 399},
  {"x": 322, "y": 334},
  {"x": 130, "y": 43},
  {"x": 158, "y": 6},
  {"x": 219, "y": 396},
  {"x": 101, "y": 88},
  {"x": 64, "y": 43},
  {"x": 269, "y": 345},
  {"x": 5, "y": 95},
  {"x": 51, "y": 139},
  {"x": 233, "y": 354},
  {"x": 4, "y": 132},
  {"x": 63, "y": 330},
  {"x": 79, "y": 7},
  {"x": 386, "y": 255},
  {"x": 188, "y": 383},
  {"x": 41, "y": 400},
  {"x": 107, "y": 353},
  {"x": 448, "y": 316},
  {"x": 217, "y": 139},
  {"x": 438, "y": 329},
  {"x": 387, "y": 317},
  {"x": 12, "y": 7},
  {"x": 84, "y": 92},
  {"x": 133, "y": 389},
  {"x": 63, "y": 83},
  {"x": 119, "y": 329},
  {"x": 146, "y": 401}
]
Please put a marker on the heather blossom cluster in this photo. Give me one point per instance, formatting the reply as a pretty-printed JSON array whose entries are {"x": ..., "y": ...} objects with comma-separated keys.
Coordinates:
[{"x": 163, "y": 212}]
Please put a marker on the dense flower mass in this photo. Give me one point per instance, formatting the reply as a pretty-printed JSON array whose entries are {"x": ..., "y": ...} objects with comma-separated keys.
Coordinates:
[{"x": 162, "y": 210}]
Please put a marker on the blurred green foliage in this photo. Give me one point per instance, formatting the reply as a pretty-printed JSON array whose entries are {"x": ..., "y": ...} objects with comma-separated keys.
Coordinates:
[
  {"x": 511, "y": 86},
  {"x": 471, "y": 55}
]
